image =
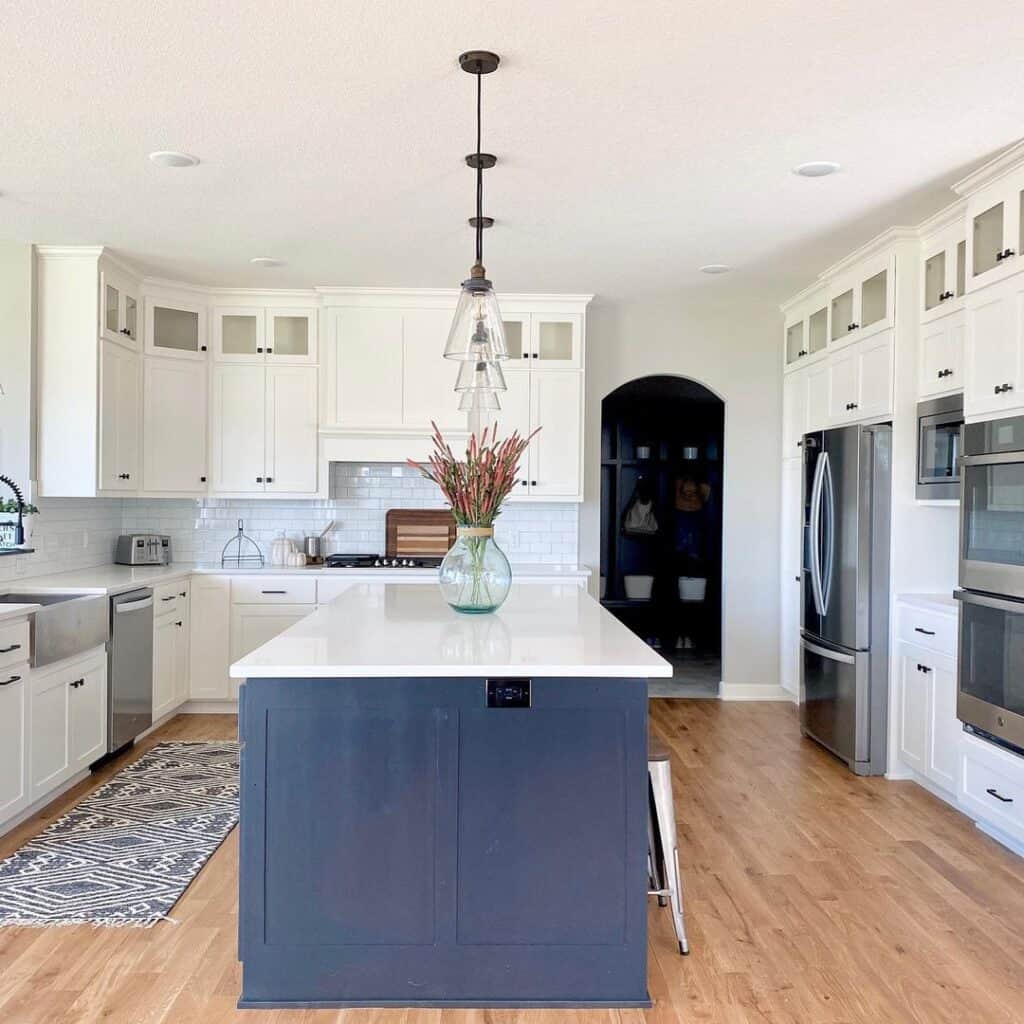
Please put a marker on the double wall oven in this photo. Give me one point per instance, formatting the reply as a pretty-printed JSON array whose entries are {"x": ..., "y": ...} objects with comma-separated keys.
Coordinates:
[{"x": 991, "y": 653}]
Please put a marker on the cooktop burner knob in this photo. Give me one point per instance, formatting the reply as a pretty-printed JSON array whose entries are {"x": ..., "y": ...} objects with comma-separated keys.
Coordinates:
[{"x": 376, "y": 563}]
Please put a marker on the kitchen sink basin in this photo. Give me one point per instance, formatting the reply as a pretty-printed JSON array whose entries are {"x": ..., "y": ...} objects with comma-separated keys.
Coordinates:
[{"x": 65, "y": 625}]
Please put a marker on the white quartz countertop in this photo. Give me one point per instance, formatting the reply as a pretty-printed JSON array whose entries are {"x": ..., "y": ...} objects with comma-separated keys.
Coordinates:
[
  {"x": 395, "y": 629},
  {"x": 118, "y": 579},
  {"x": 17, "y": 611},
  {"x": 944, "y": 604}
]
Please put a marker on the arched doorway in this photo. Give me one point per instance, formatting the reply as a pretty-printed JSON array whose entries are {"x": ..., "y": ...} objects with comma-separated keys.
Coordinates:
[{"x": 661, "y": 523}]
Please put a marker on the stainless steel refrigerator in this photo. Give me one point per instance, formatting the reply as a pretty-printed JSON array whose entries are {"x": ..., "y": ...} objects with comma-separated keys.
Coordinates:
[{"x": 844, "y": 684}]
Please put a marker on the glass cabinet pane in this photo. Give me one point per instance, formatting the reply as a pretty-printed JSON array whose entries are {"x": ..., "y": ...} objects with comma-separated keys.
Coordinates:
[
  {"x": 988, "y": 239},
  {"x": 514, "y": 338},
  {"x": 842, "y": 314},
  {"x": 873, "y": 299},
  {"x": 961, "y": 268},
  {"x": 290, "y": 336},
  {"x": 131, "y": 317},
  {"x": 794, "y": 341},
  {"x": 817, "y": 330},
  {"x": 111, "y": 305},
  {"x": 934, "y": 279},
  {"x": 175, "y": 329},
  {"x": 239, "y": 334},
  {"x": 555, "y": 341}
]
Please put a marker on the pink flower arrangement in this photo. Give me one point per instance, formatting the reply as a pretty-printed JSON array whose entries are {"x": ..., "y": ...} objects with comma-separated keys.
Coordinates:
[{"x": 477, "y": 486}]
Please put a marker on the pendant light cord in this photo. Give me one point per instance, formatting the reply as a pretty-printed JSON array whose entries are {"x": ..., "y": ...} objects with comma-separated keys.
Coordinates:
[{"x": 479, "y": 179}]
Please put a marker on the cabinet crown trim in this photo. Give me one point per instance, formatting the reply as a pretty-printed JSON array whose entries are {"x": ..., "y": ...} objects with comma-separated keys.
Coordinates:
[
  {"x": 1009, "y": 160},
  {"x": 945, "y": 218}
]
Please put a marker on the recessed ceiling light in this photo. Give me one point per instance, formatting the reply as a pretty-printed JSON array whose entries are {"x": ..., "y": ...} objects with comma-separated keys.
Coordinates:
[
  {"x": 265, "y": 261},
  {"x": 715, "y": 268},
  {"x": 172, "y": 158},
  {"x": 816, "y": 168}
]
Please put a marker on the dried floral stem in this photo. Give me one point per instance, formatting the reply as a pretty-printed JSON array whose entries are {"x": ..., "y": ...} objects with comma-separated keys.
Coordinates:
[{"x": 477, "y": 486}]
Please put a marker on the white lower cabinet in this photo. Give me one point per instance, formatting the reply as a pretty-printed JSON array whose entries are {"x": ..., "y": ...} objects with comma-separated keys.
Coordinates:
[
  {"x": 67, "y": 720},
  {"x": 164, "y": 665},
  {"x": 13, "y": 739},
  {"x": 209, "y": 636},
  {"x": 252, "y": 625},
  {"x": 929, "y": 731},
  {"x": 990, "y": 788}
]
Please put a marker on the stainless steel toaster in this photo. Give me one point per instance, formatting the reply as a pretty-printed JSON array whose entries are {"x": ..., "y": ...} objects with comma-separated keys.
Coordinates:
[{"x": 143, "y": 549}]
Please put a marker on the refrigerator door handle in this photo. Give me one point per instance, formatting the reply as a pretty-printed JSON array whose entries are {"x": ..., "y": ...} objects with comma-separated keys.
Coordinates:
[
  {"x": 828, "y": 498},
  {"x": 824, "y": 652},
  {"x": 815, "y": 538}
]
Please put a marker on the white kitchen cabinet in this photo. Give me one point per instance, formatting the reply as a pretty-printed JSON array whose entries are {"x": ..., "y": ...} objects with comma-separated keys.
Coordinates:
[
  {"x": 257, "y": 334},
  {"x": 861, "y": 299},
  {"x": 861, "y": 381},
  {"x": 237, "y": 426},
  {"x": 543, "y": 340},
  {"x": 941, "y": 358},
  {"x": 554, "y": 455},
  {"x": 993, "y": 342},
  {"x": 844, "y": 387},
  {"x": 365, "y": 369},
  {"x": 929, "y": 731},
  {"x": 818, "y": 395},
  {"x": 13, "y": 738},
  {"x": 119, "y": 418},
  {"x": 290, "y": 453},
  {"x": 48, "y": 732},
  {"x": 175, "y": 327},
  {"x": 165, "y": 632},
  {"x": 428, "y": 379},
  {"x": 795, "y": 411},
  {"x": 805, "y": 331},
  {"x": 174, "y": 427},
  {"x": 791, "y": 561},
  {"x": 87, "y": 713},
  {"x": 209, "y": 637},
  {"x": 181, "y": 655},
  {"x": 944, "y": 266},
  {"x": 120, "y": 310},
  {"x": 252, "y": 625},
  {"x": 995, "y": 216}
]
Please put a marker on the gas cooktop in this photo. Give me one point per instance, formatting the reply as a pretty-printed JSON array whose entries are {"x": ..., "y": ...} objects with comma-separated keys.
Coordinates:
[{"x": 342, "y": 561}]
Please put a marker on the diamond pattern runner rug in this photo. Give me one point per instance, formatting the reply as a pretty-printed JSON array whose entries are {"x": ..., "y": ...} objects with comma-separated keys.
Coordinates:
[{"x": 126, "y": 853}]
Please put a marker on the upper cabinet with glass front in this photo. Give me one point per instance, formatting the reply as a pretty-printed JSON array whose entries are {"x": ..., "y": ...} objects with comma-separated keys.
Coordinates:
[
  {"x": 175, "y": 326},
  {"x": 256, "y": 334},
  {"x": 943, "y": 263},
  {"x": 995, "y": 219},
  {"x": 549, "y": 341},
  {"x": 120, "y": 311},
  {"x": 805, "y": 333},
  {"x": 861, "y": 299}
]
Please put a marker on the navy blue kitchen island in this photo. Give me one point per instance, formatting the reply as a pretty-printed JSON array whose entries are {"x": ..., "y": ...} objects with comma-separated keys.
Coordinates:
[{"x": 457, "y": 823}]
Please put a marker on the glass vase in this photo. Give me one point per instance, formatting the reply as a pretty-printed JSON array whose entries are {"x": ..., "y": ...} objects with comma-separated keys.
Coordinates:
[{"x": 475, "y": 576}]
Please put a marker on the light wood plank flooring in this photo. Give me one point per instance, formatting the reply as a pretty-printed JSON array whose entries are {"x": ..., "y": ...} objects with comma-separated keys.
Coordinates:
[{"x": 813, "y": 897}]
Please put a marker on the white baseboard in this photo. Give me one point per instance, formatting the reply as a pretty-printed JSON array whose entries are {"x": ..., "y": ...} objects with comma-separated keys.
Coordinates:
[
  {"x": 999, "y": 836},
  {"x": 749, "y": 691},
  {"x": 208, "y": 707}
]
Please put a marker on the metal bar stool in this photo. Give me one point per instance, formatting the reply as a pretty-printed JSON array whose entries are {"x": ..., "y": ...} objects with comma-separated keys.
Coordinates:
[{"x": 663, "y": 846}]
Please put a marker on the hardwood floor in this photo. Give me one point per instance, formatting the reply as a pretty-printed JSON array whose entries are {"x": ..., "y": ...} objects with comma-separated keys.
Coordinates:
[{"x": 813, "y": 897}]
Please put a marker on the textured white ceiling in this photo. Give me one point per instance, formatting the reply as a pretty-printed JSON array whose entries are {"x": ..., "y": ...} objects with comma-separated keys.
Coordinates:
[{"x": 636, "y": 140}]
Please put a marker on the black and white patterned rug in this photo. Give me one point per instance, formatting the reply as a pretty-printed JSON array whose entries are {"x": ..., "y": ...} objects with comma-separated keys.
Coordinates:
[{"x": 127, "y": 852}]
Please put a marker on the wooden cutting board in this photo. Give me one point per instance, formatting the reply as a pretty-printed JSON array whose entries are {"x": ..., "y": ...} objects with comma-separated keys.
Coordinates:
[{"x": 418, "y": 532}]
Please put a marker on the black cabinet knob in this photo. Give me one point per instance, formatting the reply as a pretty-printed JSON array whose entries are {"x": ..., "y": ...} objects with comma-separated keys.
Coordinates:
[
  {"x": 523, "y": 482},
  {"x": 179, "y": 624},
  {"x": 270, "y": 479},
  {"x": 202, "y": 479},
  {"x": 270, "y": 351},
  {"x": 533, "y": 483},
  {"x": 259, "y": 479},
  {"x": 202, "y": 348},
  {"x": 259, "y": 350}
]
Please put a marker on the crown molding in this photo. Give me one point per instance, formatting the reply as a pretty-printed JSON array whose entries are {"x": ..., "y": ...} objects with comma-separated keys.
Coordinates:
[
  {"x": 889, "y": 237},
  {"x": 1009, "y": 160},
  {"x": 946, "y": 217}
]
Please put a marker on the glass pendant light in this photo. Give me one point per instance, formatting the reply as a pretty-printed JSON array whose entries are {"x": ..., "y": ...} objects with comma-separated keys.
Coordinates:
[
  {"x": 480, "y": 376},
  {"x": 479, "y": 402},
  {"x": 477, "y": 333}
]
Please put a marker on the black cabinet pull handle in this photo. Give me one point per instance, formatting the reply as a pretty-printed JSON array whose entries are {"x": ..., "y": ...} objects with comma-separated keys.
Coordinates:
[
  {"x": 183, "y": 593},
  {"x": 259, "y": 479},
  {"x": 77, "y": 683},
  {"x": 926, "y": 632},
  {"x": 7, "y": 650},
  {"x": 171, "y": 598},
  {"x": 923, "y": 668},
  {"x": 999, "y": 796},
  {"x": 179, "y": 624},
  {"x": 273, "y": 591},
  {"x": 7, "y": 682}
]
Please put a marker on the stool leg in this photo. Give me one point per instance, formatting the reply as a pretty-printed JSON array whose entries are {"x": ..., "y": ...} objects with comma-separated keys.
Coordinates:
[
  {"x": 661, "y": 786},
  {"x": 655, "y": 870}
]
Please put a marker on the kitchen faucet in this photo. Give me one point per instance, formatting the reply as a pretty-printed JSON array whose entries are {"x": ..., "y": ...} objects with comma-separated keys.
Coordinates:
[{"x": 19, "y": 530}]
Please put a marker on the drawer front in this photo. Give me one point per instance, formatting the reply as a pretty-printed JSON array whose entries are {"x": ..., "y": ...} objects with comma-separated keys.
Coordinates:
[
  {"x": 992, "y": 791},
  {"x": 273, "y": 590},
  {"x": 328, "y": 590},
  {"x": 927, "y": 629},
  {"x": 14, "y": 643},
  {"x": 166, "y": 599}
]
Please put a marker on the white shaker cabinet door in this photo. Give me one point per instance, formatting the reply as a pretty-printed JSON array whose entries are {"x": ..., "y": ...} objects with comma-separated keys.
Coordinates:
[
  {"x": 874, "y": 377},
  {"x": 915, "y": 713},
  {"x": 164, "y": 665},
  {"x": 946, "y": 731},
  {"x": 843, "y": 387},
  {"x": 174, "y": 426},
  {"x": 209, "y": 650},
  {"x": 819, "y": 384},
  {"x": 556, "y": 406},
  {"x": 48, "y": 731},
  {"x": 795, "y": 408},
  {"x": 238, "y": 423},
  {"x": 993, "y": 350},
  {"x": 364, "y": 367},
  {"x": 428, "y": 379},
  {"x": 87, "y": 704},
  {"x": 13, "y": 739},
  {"x": 119, "y": 418},
  {"x": 942, "y": 353},
  {"x": 291, "y": 435}
]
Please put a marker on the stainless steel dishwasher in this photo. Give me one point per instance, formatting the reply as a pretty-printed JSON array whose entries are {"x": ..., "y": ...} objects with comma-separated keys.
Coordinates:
[{"x": 130, "y": 667}]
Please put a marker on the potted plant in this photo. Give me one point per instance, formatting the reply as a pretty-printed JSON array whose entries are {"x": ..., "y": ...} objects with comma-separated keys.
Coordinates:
[
  {"x": 8, "y": 527},
  {"x": 475, "y": 575}
]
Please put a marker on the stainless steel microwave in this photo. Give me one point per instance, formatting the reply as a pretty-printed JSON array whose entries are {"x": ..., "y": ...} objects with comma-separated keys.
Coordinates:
[{"x": 939, "y": 423}]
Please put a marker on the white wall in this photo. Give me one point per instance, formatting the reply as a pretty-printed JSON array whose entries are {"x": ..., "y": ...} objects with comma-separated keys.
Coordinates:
[
  {"x": 16, "y": 362},
  {"x": 734, "y": 351}
]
